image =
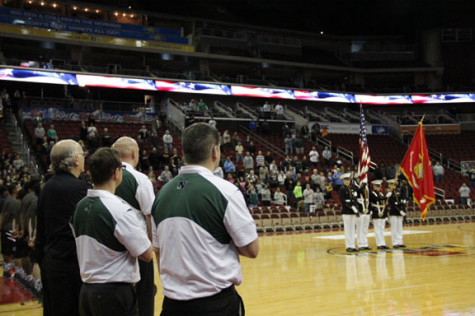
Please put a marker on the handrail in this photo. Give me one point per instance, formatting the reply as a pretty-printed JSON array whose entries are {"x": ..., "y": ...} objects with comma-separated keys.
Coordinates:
[
  {"x": 264, "y": 142},
  {"x": 439, "y": 192},
  {"x": 344, "y": 152},
  {"x": 324, "y": 142},
  {"x": 435, "y": 155},
  {"x": 453, "y": 164}
]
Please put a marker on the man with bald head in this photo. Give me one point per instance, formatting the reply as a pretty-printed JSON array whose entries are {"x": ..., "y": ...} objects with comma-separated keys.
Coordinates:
[
  {"x": 55, "y": 241},
  {"x": 137, "y": 190}
]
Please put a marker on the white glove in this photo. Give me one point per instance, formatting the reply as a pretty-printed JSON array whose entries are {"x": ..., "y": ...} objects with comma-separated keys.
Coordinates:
[
  {"x": 389, "y": 194},
  {"x": 354, "y": 209},
  {"x": 355, "y": 194},
  {"x": 402, "y": 213}
]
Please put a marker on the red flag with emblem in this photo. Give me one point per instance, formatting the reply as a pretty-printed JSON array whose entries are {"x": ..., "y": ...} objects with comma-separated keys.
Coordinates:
[{"x": 417, "y": 168}]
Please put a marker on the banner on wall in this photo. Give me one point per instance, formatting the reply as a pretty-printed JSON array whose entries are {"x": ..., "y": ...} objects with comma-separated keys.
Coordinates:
[
  {"x": 354, "y": 128},
  {"x": 49, "y": 114},
  {"x": 432, "y": 129}
]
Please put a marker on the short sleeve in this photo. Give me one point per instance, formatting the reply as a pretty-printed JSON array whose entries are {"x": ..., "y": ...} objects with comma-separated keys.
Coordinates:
[
  {"x": 238, "y": 221},
  {"x": 129, "y": 232}
]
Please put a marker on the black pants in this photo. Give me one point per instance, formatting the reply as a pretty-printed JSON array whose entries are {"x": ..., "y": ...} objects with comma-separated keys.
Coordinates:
[
  {"x": 226, "y": 303},
  {"x": 61, "y": 285},
  {"x": 118, "y": 299},
  {"x": 146, "y": 289}
]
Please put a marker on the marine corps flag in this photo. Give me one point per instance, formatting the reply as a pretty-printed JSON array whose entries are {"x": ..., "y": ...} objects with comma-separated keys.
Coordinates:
[{"x": 418, "y": 171}]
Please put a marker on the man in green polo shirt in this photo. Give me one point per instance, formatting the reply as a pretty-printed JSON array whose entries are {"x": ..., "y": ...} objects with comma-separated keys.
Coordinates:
[
  {"x": 201, "y": 225},
  {"x": 109, "y": 237}
]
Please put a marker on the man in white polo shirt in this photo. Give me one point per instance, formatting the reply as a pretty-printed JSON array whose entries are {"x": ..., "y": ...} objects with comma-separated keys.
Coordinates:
[
  {"x": 109, "y": 238},
  {"x": 201, "y": 225}
]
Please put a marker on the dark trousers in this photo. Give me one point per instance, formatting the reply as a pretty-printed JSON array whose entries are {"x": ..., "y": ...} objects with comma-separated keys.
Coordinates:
[
  {"x": 146, "y": 289},
  {"x": 61, "y": 285},
  {"x": 98, "y": 299},
  {"x": 225, "y": 303}
]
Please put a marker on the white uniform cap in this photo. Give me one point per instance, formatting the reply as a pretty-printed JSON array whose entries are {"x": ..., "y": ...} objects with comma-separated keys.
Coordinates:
[
  {"x": 346, "y": 175},
  {"x": 376, "y": 182},
  {"x": 391, "y": 181}
]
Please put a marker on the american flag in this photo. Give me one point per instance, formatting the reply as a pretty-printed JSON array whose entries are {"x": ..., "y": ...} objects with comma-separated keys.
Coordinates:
[{"x": 365, "y": 159}]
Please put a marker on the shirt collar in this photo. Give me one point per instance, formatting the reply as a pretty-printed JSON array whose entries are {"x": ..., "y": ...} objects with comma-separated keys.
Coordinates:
[
  {"x": 99, "y": 193},
  {"x": 195, "y": 169}
]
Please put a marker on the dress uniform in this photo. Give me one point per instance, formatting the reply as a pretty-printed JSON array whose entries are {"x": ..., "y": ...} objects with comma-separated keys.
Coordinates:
[
  {"x": 361, "y": 196},
  {"x": 349, "y": 212},
  {"x": 377, "y": 201},
  {"x": 396, "y": 215}
]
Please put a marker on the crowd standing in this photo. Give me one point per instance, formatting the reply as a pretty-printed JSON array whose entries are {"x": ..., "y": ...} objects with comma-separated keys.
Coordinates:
[{"x": 37, "y": 211}]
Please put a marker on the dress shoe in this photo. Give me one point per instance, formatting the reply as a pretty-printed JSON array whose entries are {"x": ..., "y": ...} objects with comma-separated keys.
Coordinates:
[
  {"x": 351, "y": 250},
  {"x": 385, "y": 247},
  {"x": 396, "y": 246},
  {"x": 365, "y": 248},
  {"x": 381, "y": 247},
  {"x": 402, "y": 246}
]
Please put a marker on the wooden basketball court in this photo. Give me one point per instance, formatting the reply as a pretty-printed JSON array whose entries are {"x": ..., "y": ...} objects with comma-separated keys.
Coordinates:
[{"x": 311, "y": 274}]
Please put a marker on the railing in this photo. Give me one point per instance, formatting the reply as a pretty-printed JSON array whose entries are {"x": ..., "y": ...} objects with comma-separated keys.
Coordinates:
[
  {"x": 25, "y": 151},
  {"x": 439, "y": 192},
  {"x": 324, "y": 142},
  {"x": 264, "y": 142},
  {"x": 345, "y": 153},
  {"x": 435, "y": 155}
]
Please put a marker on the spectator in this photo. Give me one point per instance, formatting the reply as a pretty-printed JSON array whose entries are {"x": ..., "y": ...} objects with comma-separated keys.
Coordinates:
[
  {"x": 17, "y": 162},
  {"x": 39, "y": 133},
  {"x": 266, "y": 107},
  {"x": 236, "y": 139},
  {"x": 464, "y": 194},
  {"x": 248, "y": 162},
  {"x": 202, "y": 107},
  {"x": 264, "y": 173},
  {"x": 239, "y": 150},
  {"x": 298, "y": 192},
  {"x": 164, "y": 159},
  {"x": 279, "y": 111},
  {"x": 176, "y": 158},
  {"x": 166, "y": 175},
  {"x": 230, "y": 178},
  {"x": 251, "y": 177},
  {"x": 252, "y": 196},
  {"x": 106, "y": 138},
  {"x": 327, "y": 156},
  {"x": 308, "y": 197},
  {"x": 83, "y": 132},
  {"x": 313, "y": 156},
  {"x": 471, "y": 177},
  {"x": 144, "y": 133},
  {"x": 336, "y": 180},
  {"x": 281, "y": 178},
  {"x": 52, "y": 134},
  {"x": 168, "y": 141},
  {"x": 279, "y": 198},
  {"x": 229, "y": 166},
  {"x": 251, "y": 148},
  {"x": 144, "y": 161},
  {"x": 438, "y": 171},
  {"x": 304, "y": 131},
  {"x": 288, "y": 145},
  {"x": 299, "y": 145},
  {"x": 318, "y": 198},
  {"x": 226, "y": 137},
  {"x": 260, "y": 160},
  {"x": 269, "y": 158},
  {"x": 212, "y": 122},
  {"x": 289, "y": 185},
  {"x": 266, "y": 195}
]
